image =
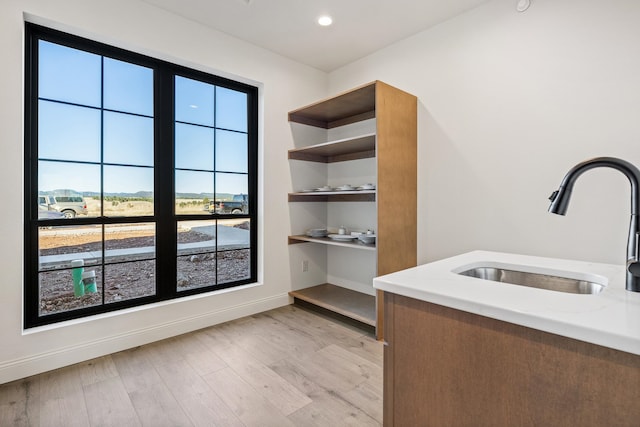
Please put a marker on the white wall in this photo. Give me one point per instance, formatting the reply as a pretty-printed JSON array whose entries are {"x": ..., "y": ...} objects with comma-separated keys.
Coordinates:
[
  {"x": 508, "y": 102},
  {"x": 137, "y": 26}
]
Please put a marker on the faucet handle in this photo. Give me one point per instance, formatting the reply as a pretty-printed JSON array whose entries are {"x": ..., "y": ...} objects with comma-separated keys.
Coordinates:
[
  {"x": 633, "y": 264},
  {"x": 633, "y": 267},
  {"x": 553, "y": 195}
]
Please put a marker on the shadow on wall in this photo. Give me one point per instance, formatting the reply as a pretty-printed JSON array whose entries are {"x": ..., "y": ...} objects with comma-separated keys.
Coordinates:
[{"x": 446, "y": 181}]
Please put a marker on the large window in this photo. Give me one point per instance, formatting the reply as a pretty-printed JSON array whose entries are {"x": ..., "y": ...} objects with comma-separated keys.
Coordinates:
[{"x": 140, "y": 179}]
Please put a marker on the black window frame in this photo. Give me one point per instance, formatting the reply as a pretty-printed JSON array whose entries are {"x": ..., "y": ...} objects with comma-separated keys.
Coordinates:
[{"x": 164, "y": 216}]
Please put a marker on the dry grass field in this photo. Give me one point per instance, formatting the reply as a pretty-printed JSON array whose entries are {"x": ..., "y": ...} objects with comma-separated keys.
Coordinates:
[{"x": 140, "y": 208}]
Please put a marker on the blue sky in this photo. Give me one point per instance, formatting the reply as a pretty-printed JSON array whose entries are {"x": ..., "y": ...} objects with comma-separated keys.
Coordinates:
[{"x": 78, "y": 133}]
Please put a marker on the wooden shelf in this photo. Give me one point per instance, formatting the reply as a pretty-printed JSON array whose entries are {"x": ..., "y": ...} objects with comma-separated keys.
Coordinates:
[
  {"x": 349, "y": 107},
  {"x": 334, "y": 196},
  {"x": 356, "y": 244},
  {"x": 359, "y": 147},
  {"x": 352, "y": 304}
]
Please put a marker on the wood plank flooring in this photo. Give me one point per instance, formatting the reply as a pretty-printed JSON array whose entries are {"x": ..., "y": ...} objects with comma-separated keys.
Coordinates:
[{"x": 284, "y": 367}]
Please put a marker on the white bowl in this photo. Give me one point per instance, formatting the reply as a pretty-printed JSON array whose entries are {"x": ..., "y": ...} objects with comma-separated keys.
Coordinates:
[{"x": 367, "y": 238}]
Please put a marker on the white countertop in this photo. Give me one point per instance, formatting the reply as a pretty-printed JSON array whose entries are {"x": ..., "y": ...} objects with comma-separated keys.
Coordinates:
[{"x": 610, "y": 318}]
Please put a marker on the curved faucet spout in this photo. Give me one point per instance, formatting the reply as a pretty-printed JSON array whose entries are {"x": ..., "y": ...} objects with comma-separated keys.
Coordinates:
[
  {"x": 560, "y": 203},
  {"x": 560, "y": 199}
]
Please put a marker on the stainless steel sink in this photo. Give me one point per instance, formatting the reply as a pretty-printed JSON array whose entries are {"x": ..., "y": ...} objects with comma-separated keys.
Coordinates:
[{"x": 534, "y": 280}]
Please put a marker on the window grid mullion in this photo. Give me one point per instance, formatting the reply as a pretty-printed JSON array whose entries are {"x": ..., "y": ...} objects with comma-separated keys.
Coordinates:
[
  {"x": 102, "y": 243},
  {"x": 166, "y": 228},
  {"x": 215, "y": 176}
]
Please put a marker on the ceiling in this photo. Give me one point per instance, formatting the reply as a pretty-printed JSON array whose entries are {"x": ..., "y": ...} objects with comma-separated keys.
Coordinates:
[{"x": 289, "y": 27}]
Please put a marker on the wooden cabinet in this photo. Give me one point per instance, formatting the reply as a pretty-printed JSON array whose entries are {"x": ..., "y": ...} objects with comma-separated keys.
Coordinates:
[
  {"x": 445, "y": 367},
  {"x": 392, "y": 145}
]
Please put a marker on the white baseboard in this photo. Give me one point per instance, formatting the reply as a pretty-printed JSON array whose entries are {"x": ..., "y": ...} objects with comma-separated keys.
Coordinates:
[{"x": 35, "y": 364}]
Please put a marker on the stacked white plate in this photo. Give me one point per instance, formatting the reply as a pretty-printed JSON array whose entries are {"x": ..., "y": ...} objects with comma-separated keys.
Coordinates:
[
  {"x": 342, "y": 237},
  {"x": 317, "y": 232}
]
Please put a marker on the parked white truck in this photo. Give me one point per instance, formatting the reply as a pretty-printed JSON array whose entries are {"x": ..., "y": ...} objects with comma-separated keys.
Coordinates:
[{"x": 69, "y": 205}]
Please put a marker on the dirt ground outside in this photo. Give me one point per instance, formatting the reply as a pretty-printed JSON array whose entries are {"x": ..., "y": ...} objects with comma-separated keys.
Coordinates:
[{"x": 136, "y": 277}]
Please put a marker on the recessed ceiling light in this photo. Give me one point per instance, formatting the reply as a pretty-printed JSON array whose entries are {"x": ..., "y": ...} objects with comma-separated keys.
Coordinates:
[
  {"x": 523, "y": 5},
  {"x": 325, "y": 20}
]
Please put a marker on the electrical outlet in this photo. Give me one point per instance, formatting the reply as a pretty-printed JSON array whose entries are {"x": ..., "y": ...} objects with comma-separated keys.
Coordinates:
[{"x": 305, "y": 265}]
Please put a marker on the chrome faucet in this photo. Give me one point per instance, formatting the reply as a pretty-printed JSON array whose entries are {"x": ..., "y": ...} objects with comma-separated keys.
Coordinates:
[{"x": 560, "y": 202}]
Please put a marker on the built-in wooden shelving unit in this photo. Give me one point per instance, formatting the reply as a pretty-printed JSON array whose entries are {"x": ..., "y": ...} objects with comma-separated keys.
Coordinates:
[{"x": 394, "y": 146}]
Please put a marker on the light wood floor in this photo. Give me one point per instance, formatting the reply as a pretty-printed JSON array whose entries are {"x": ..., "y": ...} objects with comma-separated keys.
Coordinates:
[{"x": 284, "y": 367}]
